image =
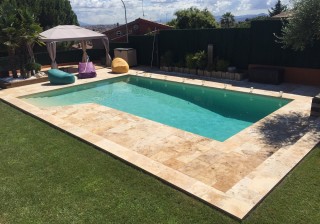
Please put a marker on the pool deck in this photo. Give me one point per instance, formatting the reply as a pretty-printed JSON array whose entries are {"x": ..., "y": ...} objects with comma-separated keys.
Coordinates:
[{"x": 234, "y": 175}]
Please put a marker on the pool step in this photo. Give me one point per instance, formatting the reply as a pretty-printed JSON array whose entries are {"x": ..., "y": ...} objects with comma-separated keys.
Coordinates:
[{"x": 315, "y": 106}]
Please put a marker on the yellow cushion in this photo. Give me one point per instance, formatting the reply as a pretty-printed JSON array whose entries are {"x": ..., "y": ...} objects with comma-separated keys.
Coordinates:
[{"x": 119, "y": 65}]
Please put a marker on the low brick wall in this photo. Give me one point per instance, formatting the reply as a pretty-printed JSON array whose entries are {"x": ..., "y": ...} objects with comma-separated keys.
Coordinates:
[
  {"x": 6, "y": 85},
  {"x": 304, "y": 76}
]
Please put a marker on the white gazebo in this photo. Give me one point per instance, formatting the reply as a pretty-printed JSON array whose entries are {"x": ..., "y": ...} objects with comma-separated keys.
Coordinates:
[{"x": 71, "y": 33}]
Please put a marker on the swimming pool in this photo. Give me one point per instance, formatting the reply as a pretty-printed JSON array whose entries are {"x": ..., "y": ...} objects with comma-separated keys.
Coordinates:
[{"x": 213, "y": 113}]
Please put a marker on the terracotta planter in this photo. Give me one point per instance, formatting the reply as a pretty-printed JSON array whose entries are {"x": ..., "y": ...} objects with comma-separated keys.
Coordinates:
[
  {"x": 207, "y": 73},
  {"x": 180, "y": 69},
  {"x": 200, "y": 72},
  {"x": 165, "y": 68},
  {"x": 176, "y": 69},
  {"x": 239, "y": 76},
  {"x": 193, "y": 71},
  {"x": 215, "y": 74},
  {"x": 223, "y": 75},
  {"x": 185, "y": 70}
]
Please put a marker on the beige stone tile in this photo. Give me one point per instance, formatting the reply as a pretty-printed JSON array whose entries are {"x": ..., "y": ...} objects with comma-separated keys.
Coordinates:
[{"x": 233, "y": 175}]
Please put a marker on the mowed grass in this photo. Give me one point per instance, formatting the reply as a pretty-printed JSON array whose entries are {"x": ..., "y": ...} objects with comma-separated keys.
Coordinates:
[{"x": 46, "y": 176}]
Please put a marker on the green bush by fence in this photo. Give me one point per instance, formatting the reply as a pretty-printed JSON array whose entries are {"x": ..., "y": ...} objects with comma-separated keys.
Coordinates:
[{"x": 230, "y": 44}]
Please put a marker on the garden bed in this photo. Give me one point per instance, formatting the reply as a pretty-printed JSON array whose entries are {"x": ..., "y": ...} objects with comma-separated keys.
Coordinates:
[{"x": 9, "y": 82}]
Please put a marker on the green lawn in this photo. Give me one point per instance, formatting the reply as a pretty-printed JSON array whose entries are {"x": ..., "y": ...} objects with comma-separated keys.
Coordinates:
[{"x": 46, "y": 176}]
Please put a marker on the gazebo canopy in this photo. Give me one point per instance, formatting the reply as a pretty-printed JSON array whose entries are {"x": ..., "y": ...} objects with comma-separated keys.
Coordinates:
[{"x": 70, "y": 33}]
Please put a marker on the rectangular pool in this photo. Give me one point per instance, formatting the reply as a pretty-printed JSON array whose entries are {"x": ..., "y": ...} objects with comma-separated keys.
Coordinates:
[{"x": 213, "y": 113}]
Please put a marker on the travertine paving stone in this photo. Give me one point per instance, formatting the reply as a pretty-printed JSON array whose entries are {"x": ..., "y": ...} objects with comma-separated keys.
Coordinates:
[{"x": 233, "y": 175}]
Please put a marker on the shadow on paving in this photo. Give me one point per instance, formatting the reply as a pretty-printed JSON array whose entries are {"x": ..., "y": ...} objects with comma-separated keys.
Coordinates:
[{"x": 284, "y": 130}]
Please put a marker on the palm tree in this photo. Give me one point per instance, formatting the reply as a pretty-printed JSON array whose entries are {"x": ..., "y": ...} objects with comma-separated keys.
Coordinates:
[
  {"x": 227, "y": 20},
  {"x": 30, "y": 31},
  {"x": 10, "y": 33},
  {"x": 18, "y": 29}
]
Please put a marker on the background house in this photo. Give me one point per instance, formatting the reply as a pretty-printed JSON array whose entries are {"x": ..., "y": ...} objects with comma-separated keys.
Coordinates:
[{"x": 137, "y": 27}]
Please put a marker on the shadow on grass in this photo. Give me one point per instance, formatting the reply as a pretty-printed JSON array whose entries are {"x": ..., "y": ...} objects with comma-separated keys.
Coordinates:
[{"x": 284, "y": 130}]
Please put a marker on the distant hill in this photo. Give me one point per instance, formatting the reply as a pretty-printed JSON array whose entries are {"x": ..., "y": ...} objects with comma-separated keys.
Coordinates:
[
  {"x": 243, "y": 17},
  {"x": 84, "y": 24}
]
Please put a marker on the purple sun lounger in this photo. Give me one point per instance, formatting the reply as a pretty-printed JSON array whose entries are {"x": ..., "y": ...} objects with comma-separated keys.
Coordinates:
[{"x": 86, "y": 70}]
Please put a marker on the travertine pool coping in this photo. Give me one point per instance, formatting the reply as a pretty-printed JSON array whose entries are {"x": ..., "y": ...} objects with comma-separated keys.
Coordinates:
[{"x": 233, "y": 176}]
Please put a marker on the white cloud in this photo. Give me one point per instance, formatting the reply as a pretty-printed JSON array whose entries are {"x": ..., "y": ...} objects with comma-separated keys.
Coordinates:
[{"x": 112, "y": 11}]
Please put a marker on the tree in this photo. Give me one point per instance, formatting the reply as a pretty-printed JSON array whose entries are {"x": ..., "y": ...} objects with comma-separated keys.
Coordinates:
[
  {"x": 247, "y": 22},
  {"x": 30, "y": 31},
  {"x": 50, "y": 13},
  {"x": 10, "y": 33},
  {"x": 193, "y": 18},
  {"x": 17, "y": 29},
  {"x": 227, "y": 20},
  {"x": 303, "y": 28},
  {"x": 277, "y": 9}
]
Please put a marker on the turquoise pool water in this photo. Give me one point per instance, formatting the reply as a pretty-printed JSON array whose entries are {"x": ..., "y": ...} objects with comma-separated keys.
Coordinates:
[{"x": 214, "y": 113}]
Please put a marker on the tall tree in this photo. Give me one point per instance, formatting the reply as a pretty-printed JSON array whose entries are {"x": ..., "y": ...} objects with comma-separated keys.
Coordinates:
[
  {"x": 227, "y": 20},
  {"x": 277, "y": 9},
  {"x": 247, "y": 22},
  {"x": 50, "y": 13},
  {"x": 17, "y": 29},
  {"x": 10, "y": 32},
  {"x": 193, "y": 18},
  {"x": 303, "y": 28},
  {"x": 30, "y": 31}
]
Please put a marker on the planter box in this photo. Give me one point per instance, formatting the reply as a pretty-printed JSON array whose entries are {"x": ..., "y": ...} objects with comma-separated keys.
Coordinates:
[
  {"x": 192, "y": 71},
  {"x": 266, "y": 75},
  {"x": 176, "y": 69},
  {"x": 165, "y": 68},
  {"x": 200, "y": 72},
  {"x": 230, "y": 75},
  {"x": 215, "y": 74},
  {"x": 207, "y": 73},
  {"x": 223, "y": 75},
  {"x": 185, "y": 70},
  {"x": 6, "y": 85},
  {"x": 180, "y": 69},
  {"x": 239, "y": 76}
]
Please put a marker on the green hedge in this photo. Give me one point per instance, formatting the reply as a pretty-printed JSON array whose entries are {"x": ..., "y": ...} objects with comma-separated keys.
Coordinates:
[
  {"x": 265, "y": 49},
  {"x": 230, "y": 44},
  {"x": 240, "y": 46}
]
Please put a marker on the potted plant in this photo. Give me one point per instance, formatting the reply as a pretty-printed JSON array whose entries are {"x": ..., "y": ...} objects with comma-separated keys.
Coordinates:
[
  {"x": 201, "y": 61},
  {"x": 191, "y": 64},
  {"x": 178, "y": 67},
  {"x": 222, "y": 67},
  {"x": 32, "y": 68},
  {"x": 166, "y": 61},
  {"x": 209, "y": 70}
]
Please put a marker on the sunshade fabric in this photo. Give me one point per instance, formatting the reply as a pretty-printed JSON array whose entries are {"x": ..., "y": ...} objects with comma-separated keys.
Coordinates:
[
  {"x": 69, "y": 33},
  {"x": 51, "y": 47}
]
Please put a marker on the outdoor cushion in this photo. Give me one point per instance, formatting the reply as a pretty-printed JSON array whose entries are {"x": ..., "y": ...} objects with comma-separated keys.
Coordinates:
[
  {"x": 119, "y": 66},
  {"x": 57, "y": 76},
  {"x": 86, "y": 70}
]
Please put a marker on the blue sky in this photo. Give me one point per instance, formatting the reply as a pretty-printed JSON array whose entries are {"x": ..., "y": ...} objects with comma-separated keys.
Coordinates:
[{"x": 112, "y": 11}]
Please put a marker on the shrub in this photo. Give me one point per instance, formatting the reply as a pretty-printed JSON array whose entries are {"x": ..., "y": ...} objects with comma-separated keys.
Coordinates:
[
  {"x": 190, "y": 62},
  {"x": 201, "y": 59},
  {"x": 167, "y": 59},
  {"x": 222, "y": 65},
  {"x": 179, "y": 64},
  {"x": 197, "y": 60},
  {"x": 33, "y": 66}
]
